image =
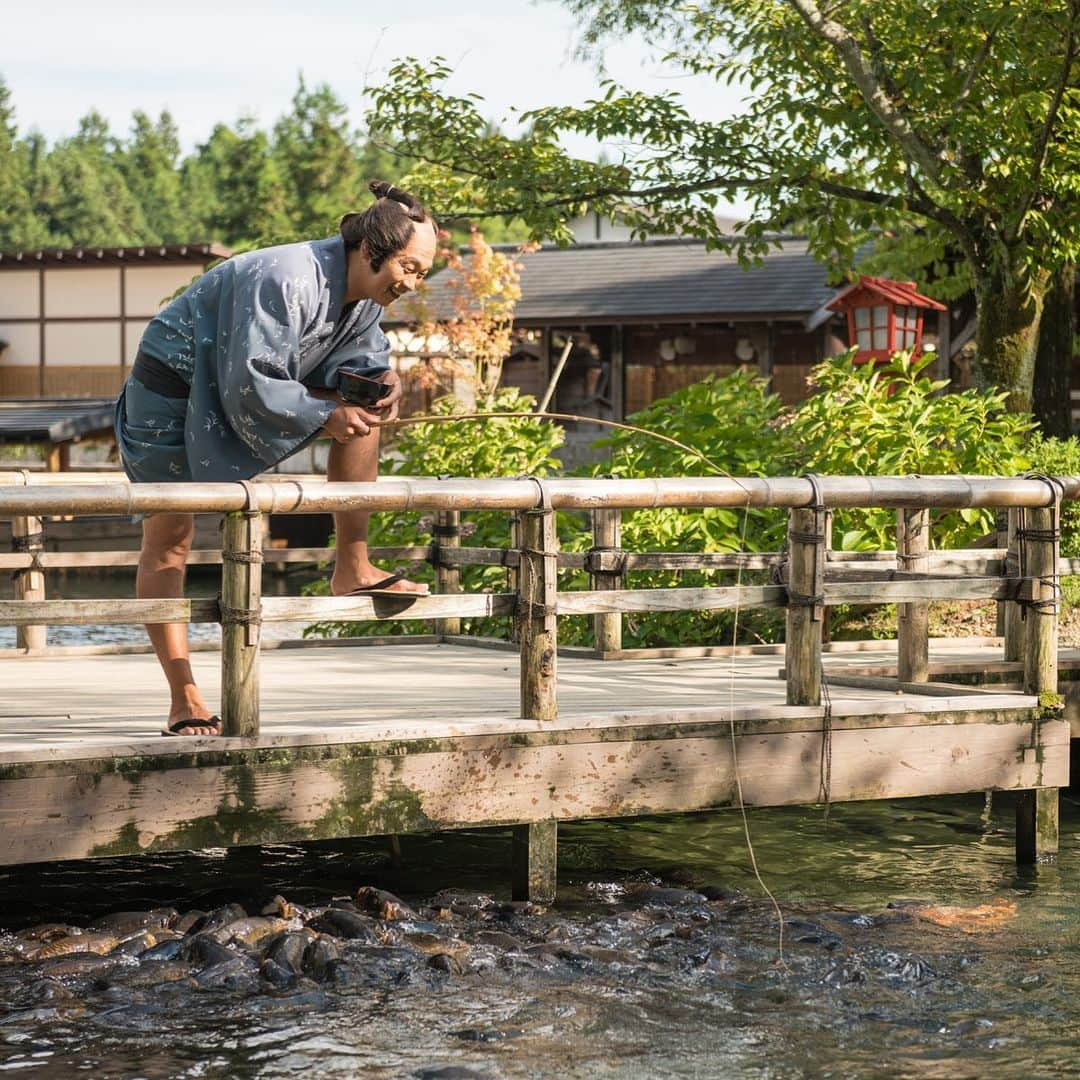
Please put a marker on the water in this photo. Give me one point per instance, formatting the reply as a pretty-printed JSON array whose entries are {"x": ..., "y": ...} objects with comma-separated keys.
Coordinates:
[{"x": 616, "y": 980}]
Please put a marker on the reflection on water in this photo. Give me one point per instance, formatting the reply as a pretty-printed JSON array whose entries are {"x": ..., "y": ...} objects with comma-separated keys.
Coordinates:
[{"x": 660, "y": 959}]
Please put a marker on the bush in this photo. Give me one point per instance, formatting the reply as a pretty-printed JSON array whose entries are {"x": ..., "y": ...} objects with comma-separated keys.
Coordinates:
[
  {"x": 488, "y": 448},
  {"x": 894, "y": 420},
  {"x": 1061, "y": 457},
  {"x": 731, "y": 426}
]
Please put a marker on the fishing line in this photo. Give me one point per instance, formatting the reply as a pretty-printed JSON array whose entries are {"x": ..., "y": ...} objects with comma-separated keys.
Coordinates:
[{"x": 697, "y": 454}]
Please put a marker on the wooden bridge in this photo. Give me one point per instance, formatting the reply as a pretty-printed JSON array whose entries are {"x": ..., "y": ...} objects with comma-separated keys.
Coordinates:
[{"x": 377, "y": 736}]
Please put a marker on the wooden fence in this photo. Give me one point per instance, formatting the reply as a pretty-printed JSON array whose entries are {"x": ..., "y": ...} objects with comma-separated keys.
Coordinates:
[{"x": 1023, "y": 577}]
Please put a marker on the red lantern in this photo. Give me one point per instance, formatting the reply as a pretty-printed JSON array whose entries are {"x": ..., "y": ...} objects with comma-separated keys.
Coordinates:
[{"x": 883, "y": 316}]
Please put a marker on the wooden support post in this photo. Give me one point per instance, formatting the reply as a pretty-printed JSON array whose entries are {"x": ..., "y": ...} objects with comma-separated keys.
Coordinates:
[
  {"x": 806, "y": 585},
  {"x": 535, "y": 861},
  {"x": 241, "y": 614},
  {"x": 607, "y": 559},
  {"x": 27, "y": 535},
  {"x": 536, "y": 620},
  {"x": 446, "y": 534},
  {"x": 826, "y": 627},
  {"x": 513, "y": 574},
  {"x": 1037, "y": 539},
  {"x": 1012, "y": 626},
  {"x": 913, "y": 619}
]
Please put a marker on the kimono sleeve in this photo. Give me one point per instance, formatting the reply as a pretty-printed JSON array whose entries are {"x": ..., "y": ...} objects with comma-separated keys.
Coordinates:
[
  {"x": 366, "y": 350},
  {"x": 261, "y": 321}
]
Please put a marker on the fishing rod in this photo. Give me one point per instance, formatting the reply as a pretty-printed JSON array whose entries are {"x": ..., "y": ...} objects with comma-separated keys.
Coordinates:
[{"x": 478, "y": 417}]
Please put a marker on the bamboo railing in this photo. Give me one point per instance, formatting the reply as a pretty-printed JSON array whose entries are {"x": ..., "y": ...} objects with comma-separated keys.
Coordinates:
[{"x": 807, "y": 578}]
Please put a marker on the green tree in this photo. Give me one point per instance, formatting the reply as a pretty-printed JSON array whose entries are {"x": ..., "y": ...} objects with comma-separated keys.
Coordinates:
[
  {"x": 19, "y": 225},
  {"x": 316, "y": 153},
  {"x": 83, "y": 194},
  {"x": 150, "y": 164},
  {"x": 956, "y": 120},
  {"x": 235, "y": 188}
]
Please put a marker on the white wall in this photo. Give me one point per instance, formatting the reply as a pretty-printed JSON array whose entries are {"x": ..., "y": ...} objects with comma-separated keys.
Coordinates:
[
  {"x": 19, "y": 295},
  {"x": 89, "y": 290}
]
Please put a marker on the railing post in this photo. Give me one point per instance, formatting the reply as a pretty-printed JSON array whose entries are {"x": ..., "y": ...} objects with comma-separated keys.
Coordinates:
[
  {"x": 535, "y": 843},
  {"x": 446, "y": 533},
  {"x": 1012, "y": 625},
  {"x": 27, "y": 535},
  {"x": 806, "y": 605},
  {"x": 241, "y": 616},
  {"x": 537, "y": 625},
  {"x": 913, "y": 619},
  {"x": 513, "y": 574},
  {"x": 1037, "y": 539},
  {"x": 606, "y": 563}
]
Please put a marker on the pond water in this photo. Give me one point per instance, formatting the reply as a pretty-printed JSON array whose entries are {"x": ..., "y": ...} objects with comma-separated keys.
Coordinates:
[{"x": 912, "y": 947}]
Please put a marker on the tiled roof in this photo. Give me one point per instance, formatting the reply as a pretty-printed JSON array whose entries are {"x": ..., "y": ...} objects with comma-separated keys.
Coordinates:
[
  {"x": 144, "y": 254},
  {"x": 53, "y": 420},
  {"x": 661, "y": 278}
]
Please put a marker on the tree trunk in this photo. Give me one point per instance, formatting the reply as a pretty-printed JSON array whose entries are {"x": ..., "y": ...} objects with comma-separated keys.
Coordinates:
[
  {"x": 1054, "y": 359},
  {"x": 1010, "y": 302}
]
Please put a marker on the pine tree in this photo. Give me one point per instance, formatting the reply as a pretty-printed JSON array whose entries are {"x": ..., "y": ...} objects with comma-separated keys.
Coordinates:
[
  {"x": 149, "y": 163},
  {"x": 19, "y": 225},
  {"x": 316, "y": 152}
]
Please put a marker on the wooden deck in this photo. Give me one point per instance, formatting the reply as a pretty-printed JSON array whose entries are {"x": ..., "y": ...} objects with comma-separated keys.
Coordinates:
[{"x": 362, "y": 740}]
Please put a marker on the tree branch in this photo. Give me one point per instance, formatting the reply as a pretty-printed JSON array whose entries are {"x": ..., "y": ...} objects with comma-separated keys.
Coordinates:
[{"x": 883, "y": 107}]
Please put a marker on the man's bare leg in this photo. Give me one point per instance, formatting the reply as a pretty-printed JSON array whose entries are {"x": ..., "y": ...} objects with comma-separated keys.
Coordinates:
[
  {"x": 162, "y": 564},
  {"x": 357, "y": 460}
]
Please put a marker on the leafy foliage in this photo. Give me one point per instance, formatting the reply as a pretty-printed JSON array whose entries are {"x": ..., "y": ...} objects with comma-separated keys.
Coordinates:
[
  {"x": 1061, "y": 457},
  {"x": 894, "y": 420},
  {"x": 952, "y": 130},
  {"x": 500, "y": 447}
]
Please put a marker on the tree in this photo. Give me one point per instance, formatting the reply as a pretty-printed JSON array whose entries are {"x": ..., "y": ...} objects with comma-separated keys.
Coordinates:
[
  {"x": 84, "y": 196},
  {"x": 953, "y": 121},
  {"x": 19, "y": 226},
  {"x": 315, "y": 152},
  {"x": 150, "y": 163},
  {"x": 234, "y": 190}
]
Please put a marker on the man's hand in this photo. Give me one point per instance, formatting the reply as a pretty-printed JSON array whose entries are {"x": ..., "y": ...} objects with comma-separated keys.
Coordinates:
[
  {"x": 348, "y": 422},
  {"x": 387, "y": 409}
]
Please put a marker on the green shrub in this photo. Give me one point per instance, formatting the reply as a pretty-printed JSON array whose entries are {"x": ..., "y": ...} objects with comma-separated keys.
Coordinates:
[
  {"x": 732, "y": 427},
  {"x": 490, "y": 448},
  {"x": 1060, "y": 457},
  {"x": 894, "y": 420}
]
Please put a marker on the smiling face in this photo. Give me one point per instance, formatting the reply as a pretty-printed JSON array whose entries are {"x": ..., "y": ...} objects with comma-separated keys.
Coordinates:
[{"x": 400, "y": 272}]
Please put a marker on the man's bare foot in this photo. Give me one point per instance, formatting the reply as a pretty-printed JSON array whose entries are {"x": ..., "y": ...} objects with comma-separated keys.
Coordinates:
[
  {"x": 343, "y": 583},
  {"x": 192, "y": 718}
]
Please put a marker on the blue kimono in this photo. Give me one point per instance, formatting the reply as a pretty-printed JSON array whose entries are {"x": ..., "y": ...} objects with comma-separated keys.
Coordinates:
[{"x": 248, "y": 339}]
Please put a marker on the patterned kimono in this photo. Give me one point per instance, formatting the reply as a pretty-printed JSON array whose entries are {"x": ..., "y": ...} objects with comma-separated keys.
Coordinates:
[{"x": 248, "y": 338}]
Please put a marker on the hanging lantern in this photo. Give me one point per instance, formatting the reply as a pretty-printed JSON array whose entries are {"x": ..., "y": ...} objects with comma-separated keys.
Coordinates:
[{"x": 883, "y": 316}]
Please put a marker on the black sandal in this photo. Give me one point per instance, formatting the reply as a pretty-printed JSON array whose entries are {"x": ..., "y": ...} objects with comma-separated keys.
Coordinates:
[{"x": 177, "y": 726}]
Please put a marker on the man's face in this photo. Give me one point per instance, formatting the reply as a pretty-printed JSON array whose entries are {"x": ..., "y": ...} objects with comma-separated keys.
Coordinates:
[{"x": 405, "y": 269}]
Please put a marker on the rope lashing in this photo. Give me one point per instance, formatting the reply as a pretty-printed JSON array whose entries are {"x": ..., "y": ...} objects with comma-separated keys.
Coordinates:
[
  {"x": 32, "y": 545},
  {"x": 1048, "y": 605},
  {"x": 230, "y": 616}
]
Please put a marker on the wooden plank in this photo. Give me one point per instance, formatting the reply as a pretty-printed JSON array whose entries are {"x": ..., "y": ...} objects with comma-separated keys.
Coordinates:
[
  {"x": 590, "y": 602},
  {"x": 896, "y": 686},
  {"x": 383, "y": 608},
  {"x": 62, "y": 560},
  {"x": 262, "y": 798},
  {"x": 957, "y": 588},
  {"x": 106, "y": 612}
]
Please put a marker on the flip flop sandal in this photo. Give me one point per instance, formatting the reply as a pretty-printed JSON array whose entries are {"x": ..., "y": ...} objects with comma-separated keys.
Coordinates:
[
  {"x": 177, "y": 727},
  {"x": 383, "y": 588}
]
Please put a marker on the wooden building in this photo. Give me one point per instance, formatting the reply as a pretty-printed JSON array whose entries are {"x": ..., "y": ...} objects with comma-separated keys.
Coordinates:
[{"x": 71, "y": 320}]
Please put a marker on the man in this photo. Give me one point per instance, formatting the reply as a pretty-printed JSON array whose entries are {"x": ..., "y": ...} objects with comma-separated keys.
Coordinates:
[{"x": 242, "y": 370}]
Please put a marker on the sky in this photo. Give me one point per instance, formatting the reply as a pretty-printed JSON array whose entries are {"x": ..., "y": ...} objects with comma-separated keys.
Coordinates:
[{"x": 207, "y": 62}]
